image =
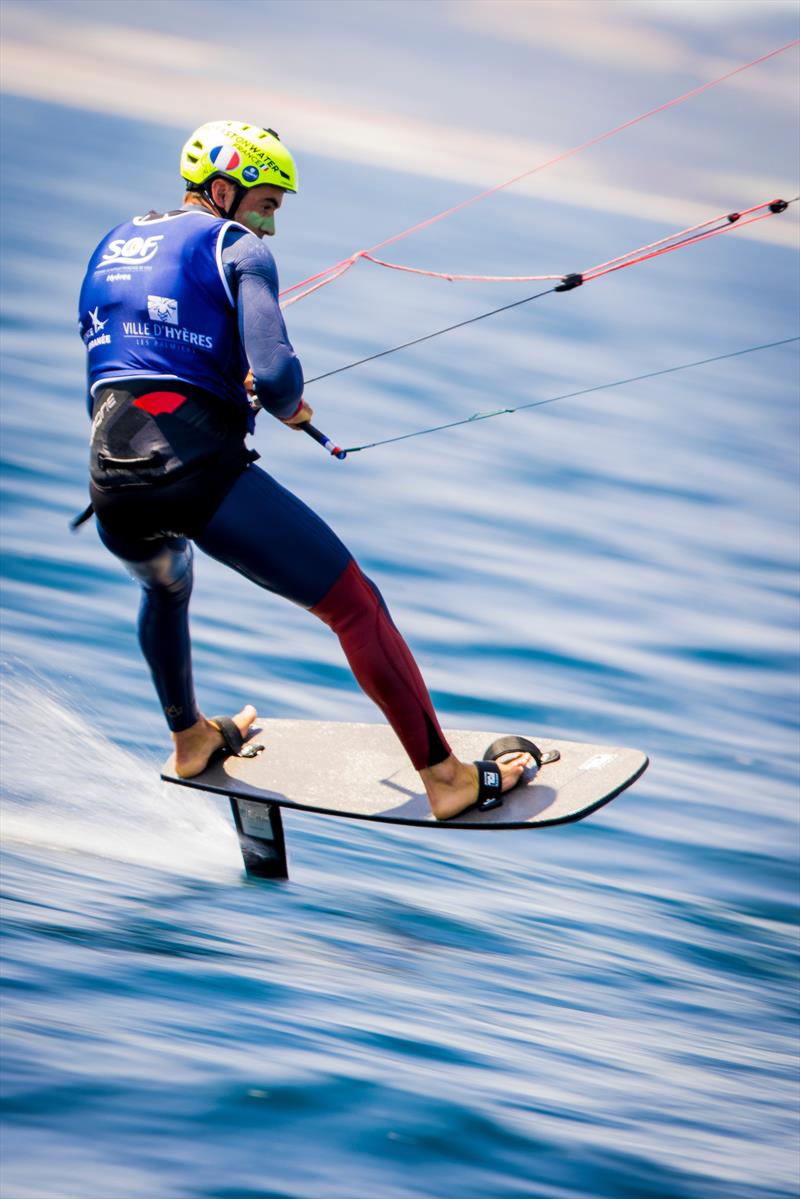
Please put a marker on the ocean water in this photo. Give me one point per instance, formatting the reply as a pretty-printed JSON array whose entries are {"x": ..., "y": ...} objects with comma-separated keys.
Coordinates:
[{"x": 606, "y": 1010}]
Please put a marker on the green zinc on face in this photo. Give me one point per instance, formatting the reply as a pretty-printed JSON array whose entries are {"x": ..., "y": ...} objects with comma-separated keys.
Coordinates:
[{"x": 265, "y": 223}]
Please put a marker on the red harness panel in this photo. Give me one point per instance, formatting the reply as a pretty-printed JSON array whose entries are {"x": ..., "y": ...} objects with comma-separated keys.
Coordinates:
[{"x": 156, "y": 402}]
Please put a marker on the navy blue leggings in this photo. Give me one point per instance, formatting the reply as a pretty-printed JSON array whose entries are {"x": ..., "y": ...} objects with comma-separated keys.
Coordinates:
[{"x": 270, "y": 536}]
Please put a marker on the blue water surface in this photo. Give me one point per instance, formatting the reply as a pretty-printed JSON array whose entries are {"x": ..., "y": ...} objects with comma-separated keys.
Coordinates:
[{"x": 603, "y": 1010}]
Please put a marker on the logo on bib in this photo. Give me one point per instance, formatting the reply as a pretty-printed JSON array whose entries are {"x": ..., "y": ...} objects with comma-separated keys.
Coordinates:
[
  {"x": 162, "y": 308},
  {"x": 94, "y": 335},
  {"x": 136, "y": 251}
]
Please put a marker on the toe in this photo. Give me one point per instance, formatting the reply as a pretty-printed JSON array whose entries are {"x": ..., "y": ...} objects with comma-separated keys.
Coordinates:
[
  {"x": 512, "y": 767},
  {"x": 244, "y": 719}
]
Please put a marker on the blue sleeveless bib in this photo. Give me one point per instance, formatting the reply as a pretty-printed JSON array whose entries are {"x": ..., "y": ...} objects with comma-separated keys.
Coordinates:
[{"x": 155, "y": 303}]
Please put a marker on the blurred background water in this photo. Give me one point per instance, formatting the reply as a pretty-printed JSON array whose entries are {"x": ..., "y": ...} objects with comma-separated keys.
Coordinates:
[{"x": 606, "y": 1009}]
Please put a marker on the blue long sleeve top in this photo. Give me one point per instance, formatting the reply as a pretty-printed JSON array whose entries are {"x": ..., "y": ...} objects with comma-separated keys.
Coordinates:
[{"x": 253, "y": 279}]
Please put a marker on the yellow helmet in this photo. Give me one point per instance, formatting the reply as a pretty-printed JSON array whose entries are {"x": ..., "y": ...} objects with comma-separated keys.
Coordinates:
[{"x": 246, "y": 154}]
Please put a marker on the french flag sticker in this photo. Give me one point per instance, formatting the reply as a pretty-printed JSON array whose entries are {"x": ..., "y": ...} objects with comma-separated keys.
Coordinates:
[{"x": 225, "y": 157}]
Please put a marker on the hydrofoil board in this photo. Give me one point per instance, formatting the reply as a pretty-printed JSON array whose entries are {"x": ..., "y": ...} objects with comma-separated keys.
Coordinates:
[{"x": 360, "y": 771}]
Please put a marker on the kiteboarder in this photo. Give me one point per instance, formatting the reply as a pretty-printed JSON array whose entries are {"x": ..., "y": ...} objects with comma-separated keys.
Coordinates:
[{"x": 185, "y": 342}]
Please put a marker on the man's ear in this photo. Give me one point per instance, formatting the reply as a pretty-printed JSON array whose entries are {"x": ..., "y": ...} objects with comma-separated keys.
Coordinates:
[{"x": 221, "y": 193}]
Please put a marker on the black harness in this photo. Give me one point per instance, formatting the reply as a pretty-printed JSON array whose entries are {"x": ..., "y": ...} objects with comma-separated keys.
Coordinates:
[{"x": 157, "y": 469}]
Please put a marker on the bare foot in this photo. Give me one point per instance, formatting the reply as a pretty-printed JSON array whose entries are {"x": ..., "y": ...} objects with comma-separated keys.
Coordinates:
[
  {"x": 195, "y": 745},
  {"x": 452, "y": 786}
]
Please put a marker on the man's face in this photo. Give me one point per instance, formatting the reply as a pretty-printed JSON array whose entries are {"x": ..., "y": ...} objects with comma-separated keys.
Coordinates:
[{"x": 258, "y": 207}]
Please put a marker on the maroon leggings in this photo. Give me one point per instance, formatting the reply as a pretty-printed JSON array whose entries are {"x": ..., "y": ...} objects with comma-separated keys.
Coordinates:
[{"x": 383, "y": 664}]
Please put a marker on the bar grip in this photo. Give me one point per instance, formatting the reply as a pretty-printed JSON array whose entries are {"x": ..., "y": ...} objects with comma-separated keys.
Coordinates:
[{"x": 326, "y": 443}]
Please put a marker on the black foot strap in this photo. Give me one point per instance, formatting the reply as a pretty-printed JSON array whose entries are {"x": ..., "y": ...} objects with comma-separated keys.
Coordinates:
[
  {"x": 490, "y": 782},
  {"x": 489, "y": 786},
  {"x": 513, "y": 745},
  {"x": 234, "y": 741}
]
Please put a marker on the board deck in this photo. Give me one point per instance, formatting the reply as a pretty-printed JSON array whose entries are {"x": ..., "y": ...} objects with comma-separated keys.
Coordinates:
[{"x": 360, "y": 771}]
